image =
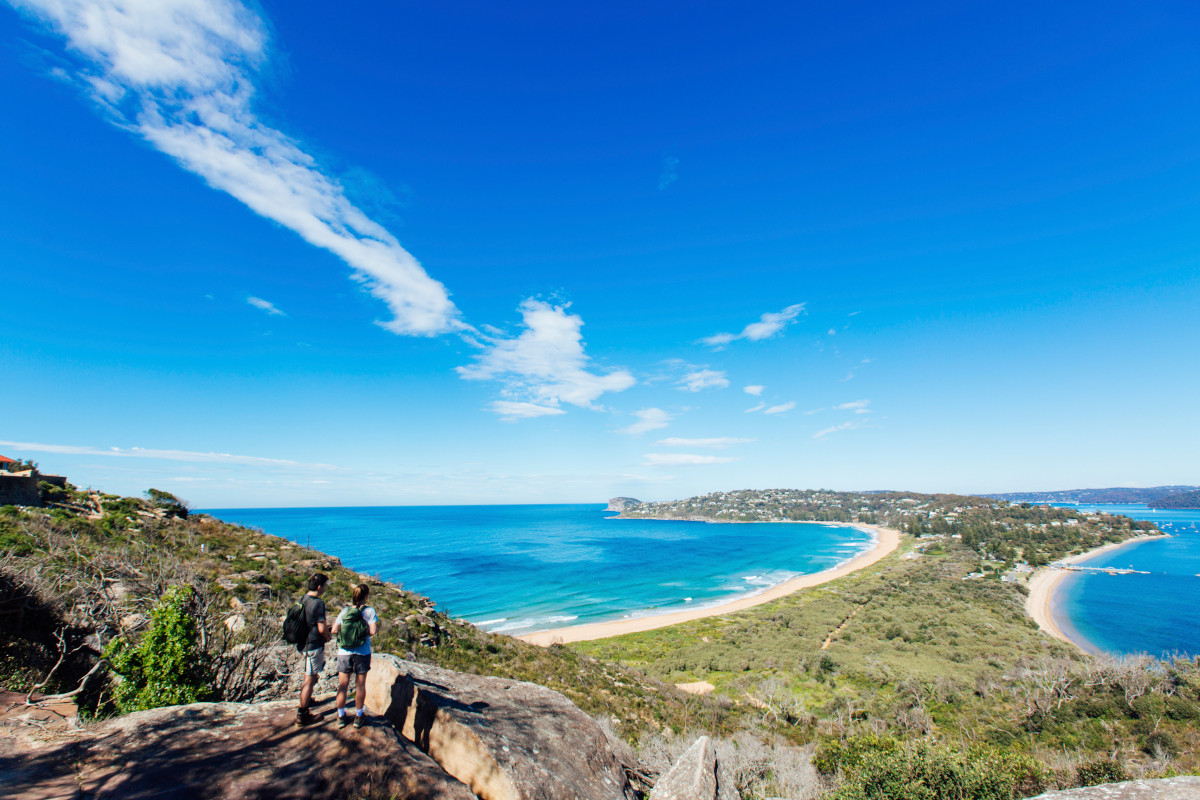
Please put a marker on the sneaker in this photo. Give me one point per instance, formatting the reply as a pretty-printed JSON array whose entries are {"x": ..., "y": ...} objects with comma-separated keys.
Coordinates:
[
  {"x": 358, "y": 721},
  {"x": 304, "y": 717},
  {"x": 343, "y": 720}
]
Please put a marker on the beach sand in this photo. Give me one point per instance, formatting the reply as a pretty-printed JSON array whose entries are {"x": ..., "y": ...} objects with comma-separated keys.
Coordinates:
[
  {"x": 1043, "y": 583},
  {"x": 887, "y": 541}
]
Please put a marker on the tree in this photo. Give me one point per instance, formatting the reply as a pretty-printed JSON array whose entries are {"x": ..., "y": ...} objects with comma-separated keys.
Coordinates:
[
  {"x": 172, "y": 505},
  {"x": 167, "y": 667}
]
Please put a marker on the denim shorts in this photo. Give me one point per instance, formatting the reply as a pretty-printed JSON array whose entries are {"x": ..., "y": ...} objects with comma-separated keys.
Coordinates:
[
  {"x": 359, "y": 665},
  {"x": 314, "y": 661}
]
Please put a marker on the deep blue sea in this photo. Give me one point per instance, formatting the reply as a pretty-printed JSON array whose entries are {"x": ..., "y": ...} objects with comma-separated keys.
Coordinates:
[
  {"x": 1157, "y": 613},
  {"x": 519, "y": 569}
]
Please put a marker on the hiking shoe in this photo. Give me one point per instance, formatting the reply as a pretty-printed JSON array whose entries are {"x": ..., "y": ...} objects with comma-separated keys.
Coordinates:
[
  {"x": 304, "y": 717},
  {"x": 358, "y": 721},
  {"x": 343, "y": 720}
]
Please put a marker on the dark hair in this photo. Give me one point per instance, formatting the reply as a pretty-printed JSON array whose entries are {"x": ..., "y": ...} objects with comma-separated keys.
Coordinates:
[
  {"x": 359, "y": 595},
  {"x": 316, "y": 582}
]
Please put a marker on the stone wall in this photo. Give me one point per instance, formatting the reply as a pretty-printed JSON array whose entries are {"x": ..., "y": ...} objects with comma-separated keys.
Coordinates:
[{"x": 19, "y": 490}]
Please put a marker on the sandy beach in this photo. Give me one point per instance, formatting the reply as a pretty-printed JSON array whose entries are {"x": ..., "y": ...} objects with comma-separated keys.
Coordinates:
[
  {"x": 1043, "y": 583},
  {"x": 887, "y": 540}
]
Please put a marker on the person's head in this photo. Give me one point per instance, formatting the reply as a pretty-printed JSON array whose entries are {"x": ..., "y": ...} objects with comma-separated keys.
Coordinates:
[
  {"x": 360, "y": 593},
  {"x": 317, "y": 583}
]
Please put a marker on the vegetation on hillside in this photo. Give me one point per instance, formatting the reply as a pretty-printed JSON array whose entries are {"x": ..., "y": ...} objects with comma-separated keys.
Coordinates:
[
  {"x": 911, "y": 679},
  {"x": 137, "y": 604},
  {"x": 1178, "y": 500}
]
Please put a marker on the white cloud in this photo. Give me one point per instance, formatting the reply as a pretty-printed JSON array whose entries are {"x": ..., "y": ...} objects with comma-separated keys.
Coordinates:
[
  {"x": 180, "y": 74},
  {"x": 265, "y": 305},
  {"x": 717, "y": 442},
  {"x": 511, "y": 411},
  {"x": 161, "y": 455},
  {"x": 758, "y": 407},
  {"x": 780, "y": 409},
  {"x": 545, "y": 364},
  {"x": 684, "y": 459},
  {"x": 651, "y": 419},
  {"x": 858, "y": 406},
  {"x": 768, "y": 325},
  {"x": 703, "y": 379},
  {"x": 832, "y": 332},
  {"x": 845, "y": 426},
  {"x": 753, "y": 389}
]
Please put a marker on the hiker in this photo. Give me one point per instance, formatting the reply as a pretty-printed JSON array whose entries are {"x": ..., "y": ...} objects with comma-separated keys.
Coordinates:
[
  {"x": 354, "y": 628},
  {"x": 314, "y": 645}
]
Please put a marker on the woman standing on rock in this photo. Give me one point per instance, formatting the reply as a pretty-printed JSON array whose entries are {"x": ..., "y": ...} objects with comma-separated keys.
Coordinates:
[{"x": 354, "y": 628}]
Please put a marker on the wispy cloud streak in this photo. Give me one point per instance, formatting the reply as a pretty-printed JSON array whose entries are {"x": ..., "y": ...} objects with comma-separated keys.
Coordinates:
[
  {"x": 716, "y": 442},
  {"x": 649, "y": 419},
  {"x": 684, "y": 459},
  {"x": 265, "y": 305},
  {"x": 768, "y": 325},
  {"x": 160, "y": 455},
  {"x": 180, "y": 74}
]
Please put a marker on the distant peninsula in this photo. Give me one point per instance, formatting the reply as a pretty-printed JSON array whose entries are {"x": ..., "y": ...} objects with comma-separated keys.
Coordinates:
[
  {"x": 1119, "y": 494},
  {"x": 1178, "y": 500}
]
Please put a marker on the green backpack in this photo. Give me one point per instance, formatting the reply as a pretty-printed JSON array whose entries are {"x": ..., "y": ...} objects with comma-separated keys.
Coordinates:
[{"x": 354, "y": 631}]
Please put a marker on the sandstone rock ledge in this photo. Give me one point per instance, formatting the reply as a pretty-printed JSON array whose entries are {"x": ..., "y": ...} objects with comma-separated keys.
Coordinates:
[
  {"x": 505, "y": 739},
  {"x": 1182, "y": 788},
  {"x": 223, "y": 751}
]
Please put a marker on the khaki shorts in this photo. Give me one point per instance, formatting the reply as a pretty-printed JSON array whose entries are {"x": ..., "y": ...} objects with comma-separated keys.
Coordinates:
[{"x": 314, "y": 661}]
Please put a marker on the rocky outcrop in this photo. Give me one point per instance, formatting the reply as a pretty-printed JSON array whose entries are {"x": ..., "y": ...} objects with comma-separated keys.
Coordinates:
[
  {"x": 1182, "y": 788},
  {"x": 696, "y": 776},
  {"x": 223, "y": 751},
  {"x": 505, "y": 739},
  {"x": 619, "y": 504}
]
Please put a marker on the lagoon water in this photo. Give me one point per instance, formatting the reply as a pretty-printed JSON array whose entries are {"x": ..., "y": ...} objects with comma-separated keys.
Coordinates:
[
  {"x": 1155, "y": 613},
  {"x": 519, "y": 569}
]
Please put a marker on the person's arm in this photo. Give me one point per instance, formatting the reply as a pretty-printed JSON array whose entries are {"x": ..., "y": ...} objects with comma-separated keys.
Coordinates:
[
  {"x": 337, "y": 625},
  {"x": 373, "y": 625},
  {"x": 322, "y": 627}
]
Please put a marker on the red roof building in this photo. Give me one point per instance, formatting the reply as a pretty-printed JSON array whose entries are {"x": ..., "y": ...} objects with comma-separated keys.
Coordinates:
[{"x": 6, "y": 460}]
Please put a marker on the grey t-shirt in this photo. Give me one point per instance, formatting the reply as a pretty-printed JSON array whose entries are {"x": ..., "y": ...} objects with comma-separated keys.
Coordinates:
[{"x": 314, "y": 612}]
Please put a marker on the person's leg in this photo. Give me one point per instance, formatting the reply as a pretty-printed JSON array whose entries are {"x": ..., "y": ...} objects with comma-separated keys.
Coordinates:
[
  {"x": 306, "y": 691},
  {"x": 360, "y": 691},
  {"x": 343, "y": 684}
]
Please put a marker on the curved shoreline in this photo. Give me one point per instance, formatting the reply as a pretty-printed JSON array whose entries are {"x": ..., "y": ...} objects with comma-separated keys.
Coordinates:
[
  {"x": 1042, "y": 584},
  {"x": 886, "y": 541}
]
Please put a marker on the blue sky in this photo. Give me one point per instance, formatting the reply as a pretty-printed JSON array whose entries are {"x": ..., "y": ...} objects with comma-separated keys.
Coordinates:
[{"x": 284, "y": 254}]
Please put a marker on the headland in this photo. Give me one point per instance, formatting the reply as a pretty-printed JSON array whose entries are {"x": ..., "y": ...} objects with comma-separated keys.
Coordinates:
[{"x": 886, "y": 541}]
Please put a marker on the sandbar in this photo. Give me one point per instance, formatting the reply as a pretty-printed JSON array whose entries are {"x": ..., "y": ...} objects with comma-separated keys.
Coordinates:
[
  {"x": 1043, "y": 583},
  {"x": 886, "y": 541}
]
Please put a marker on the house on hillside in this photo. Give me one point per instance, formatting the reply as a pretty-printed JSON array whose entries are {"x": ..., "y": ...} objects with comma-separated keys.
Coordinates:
[{"x": 20, "y": 486}]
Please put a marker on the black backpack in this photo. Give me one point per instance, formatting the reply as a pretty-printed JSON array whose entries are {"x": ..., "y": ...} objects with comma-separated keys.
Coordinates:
[{"x": 295, "y": 624}]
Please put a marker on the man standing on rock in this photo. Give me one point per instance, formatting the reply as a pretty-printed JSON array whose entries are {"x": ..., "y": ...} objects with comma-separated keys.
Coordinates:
[{"x": 314, "y": 646}]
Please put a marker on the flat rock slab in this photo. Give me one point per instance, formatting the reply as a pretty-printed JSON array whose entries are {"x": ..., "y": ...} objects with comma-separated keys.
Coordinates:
[
  {"x": 1182, "y": 788},
  {"x": 223, "y": 751},
  {"x": 505, "y": 739}
]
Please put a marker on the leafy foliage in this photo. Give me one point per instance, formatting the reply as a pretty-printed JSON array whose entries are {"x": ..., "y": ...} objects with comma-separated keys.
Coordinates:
[{"x": 166, "y": 667}]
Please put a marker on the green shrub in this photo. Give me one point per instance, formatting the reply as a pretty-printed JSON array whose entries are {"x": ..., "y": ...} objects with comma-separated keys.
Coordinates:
[
  {"x": 166, "y": 667},
  {"x": 922, "y": 771},
  {"x": 1092, "y": 773}
]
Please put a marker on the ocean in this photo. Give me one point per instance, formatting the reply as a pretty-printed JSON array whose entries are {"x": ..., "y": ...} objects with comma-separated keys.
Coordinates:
[
  {"x": 524, "y": 568},
  {"x": 1125, "y": 614}
]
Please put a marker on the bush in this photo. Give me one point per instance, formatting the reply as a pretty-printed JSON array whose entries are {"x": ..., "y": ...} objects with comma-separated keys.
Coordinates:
[
  {"x": 1092, "y": 773},
  {"x": 879, "y": 769},
  {"x": 166, "y": 667},
  {"x": 172, "y": 505}
]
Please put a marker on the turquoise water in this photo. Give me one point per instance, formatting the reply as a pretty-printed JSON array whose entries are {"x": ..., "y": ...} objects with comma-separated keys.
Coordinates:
[
  {"x": 519, "y": 569},
  {"x": 1155, "y": 613}
]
